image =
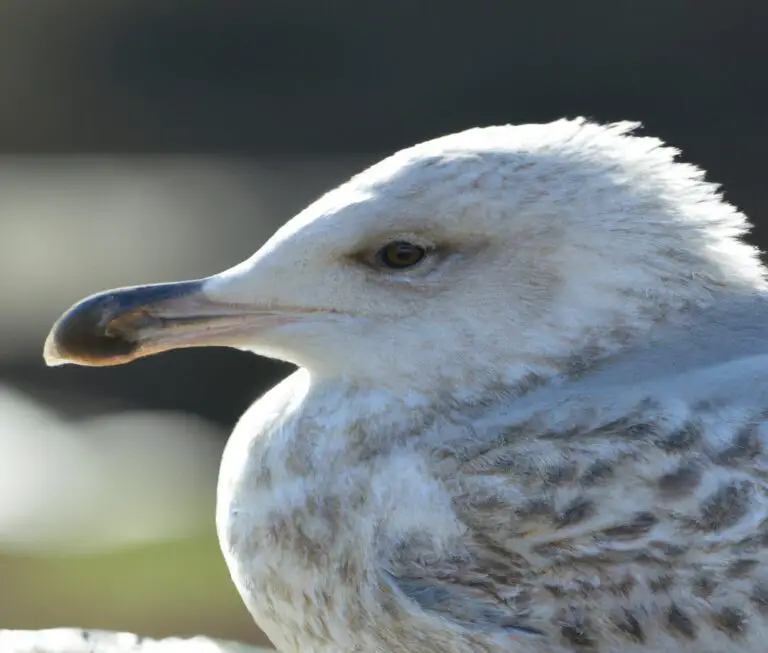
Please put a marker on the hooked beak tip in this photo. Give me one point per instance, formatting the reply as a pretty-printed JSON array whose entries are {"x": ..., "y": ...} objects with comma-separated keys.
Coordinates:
[
  {"x": 82, "y": 336},
  {"x": 105, "y": 329}
]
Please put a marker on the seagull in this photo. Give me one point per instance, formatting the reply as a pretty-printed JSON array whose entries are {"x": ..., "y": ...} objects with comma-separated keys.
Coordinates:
[{"x": 529, "y": 413}]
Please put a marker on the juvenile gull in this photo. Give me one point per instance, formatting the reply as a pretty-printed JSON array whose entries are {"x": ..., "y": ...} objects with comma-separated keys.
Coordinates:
[{"x": 529, "y": 414}]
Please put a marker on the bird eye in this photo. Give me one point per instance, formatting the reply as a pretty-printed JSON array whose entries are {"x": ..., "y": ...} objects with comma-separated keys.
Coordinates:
[{"x": 400, "y": 254}]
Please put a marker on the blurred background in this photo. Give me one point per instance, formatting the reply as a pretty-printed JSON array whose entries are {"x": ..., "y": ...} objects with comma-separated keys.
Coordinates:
[{"x": 146, "y": 140}]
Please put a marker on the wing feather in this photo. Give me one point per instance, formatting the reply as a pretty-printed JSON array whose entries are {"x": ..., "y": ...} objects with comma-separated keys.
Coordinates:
[{"x": 625, "y": 502}]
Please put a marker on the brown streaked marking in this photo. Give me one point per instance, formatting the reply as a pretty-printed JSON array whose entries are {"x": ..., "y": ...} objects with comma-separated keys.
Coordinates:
[
  {"x": 745, "y": 446},
  {"x": 629, "y": 626},
  {"x": 598, "y": 472},
  {"x": 683, "y": 480},
  {"x": 264, "y": 477},
  {"x": 625, "y": 586},
  {"x": 661, "y": 583},
  {"x": 349, "y": 571},
  {"x": 759, "y": 596},
  {"x": 731, "y": 621},
  {"x": 640, "y": 525},
  {"x": 625, "y": 426},
  {"x": 555, "y": 589},
  {"x": 670, "y": 549},
  {"x": 562, "y": 473},
  {"x": 741, "y": 568},
  {"x": 575, "y": 512},
  {"x": 680, "y": 622},
  {"x": 575, "y": 629},
  {"x": 703, "y": 585},
  {"x": 536, "y": 507},
  {"x": 725, "y": 507},
  {"x": 553, "y": 548},
  {"x": 682, "y": 438}
]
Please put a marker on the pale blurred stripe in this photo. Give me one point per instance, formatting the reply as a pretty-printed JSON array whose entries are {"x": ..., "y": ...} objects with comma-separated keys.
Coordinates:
[
  {"x": 72, "y": 640},
  {"x": 121, "y": 479}
]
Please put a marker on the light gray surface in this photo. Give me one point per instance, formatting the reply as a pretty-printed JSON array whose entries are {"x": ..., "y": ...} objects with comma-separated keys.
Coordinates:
[{"x": 76, "y": 640}]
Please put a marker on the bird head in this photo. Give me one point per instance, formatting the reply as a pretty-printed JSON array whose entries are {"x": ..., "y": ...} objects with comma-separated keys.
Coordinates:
[{"x": 476, "y": 257}]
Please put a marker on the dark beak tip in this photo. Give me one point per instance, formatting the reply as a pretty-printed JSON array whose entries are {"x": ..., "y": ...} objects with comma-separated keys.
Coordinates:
[
  {"x": 80, "y": 336},
  {"x": 85, "y": 334}
]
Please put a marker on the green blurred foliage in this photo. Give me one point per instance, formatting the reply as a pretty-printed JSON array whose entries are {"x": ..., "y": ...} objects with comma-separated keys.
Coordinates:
[{"x": 169, "y": 588}]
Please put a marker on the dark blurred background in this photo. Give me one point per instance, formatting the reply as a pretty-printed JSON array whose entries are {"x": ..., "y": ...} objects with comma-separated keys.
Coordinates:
[{"x": 146, "y": 140}]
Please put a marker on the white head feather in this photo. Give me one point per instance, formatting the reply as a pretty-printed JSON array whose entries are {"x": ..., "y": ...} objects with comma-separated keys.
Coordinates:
[{"x": 547, "y": 242}]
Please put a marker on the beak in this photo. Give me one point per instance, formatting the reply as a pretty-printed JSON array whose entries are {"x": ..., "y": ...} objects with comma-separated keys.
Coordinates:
[{"x": 119, "y": 326}]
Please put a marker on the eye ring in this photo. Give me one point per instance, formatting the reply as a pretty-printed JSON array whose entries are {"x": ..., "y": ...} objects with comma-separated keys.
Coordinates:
[{"x": 400, "y": 254}]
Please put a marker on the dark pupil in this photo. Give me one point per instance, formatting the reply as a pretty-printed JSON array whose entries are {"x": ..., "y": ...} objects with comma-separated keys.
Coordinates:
[{"x": 402, "y": 254}]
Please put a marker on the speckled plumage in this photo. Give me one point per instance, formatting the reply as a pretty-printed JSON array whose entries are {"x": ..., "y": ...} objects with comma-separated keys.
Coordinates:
[
  {"x": 547, "y": 437},
  {"x": 589, "y": 516}
]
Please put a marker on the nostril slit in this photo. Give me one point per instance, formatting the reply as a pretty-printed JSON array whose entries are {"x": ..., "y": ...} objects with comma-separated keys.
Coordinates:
[{"x": 128, "y": 324}]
